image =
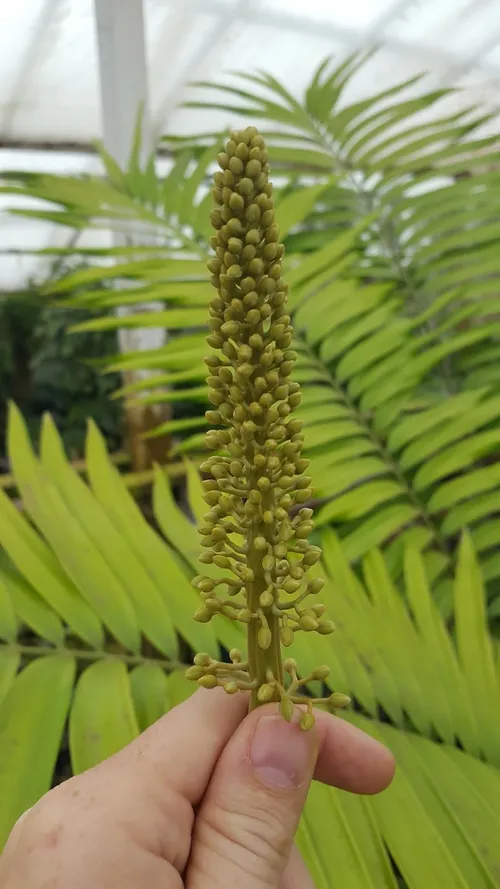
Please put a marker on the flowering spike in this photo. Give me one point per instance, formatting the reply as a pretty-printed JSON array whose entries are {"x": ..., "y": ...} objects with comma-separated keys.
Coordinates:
[{"x": 253, "y": 484}]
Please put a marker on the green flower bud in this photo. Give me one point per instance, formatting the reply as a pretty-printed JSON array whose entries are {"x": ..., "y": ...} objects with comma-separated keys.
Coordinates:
[
  {"x": 202, "y": 659},
  {"x": 208, "y": 681},
  {"x": 315, "y": 586},
  {"x": 194, "y": 673},
  {"x": 286, "y": 708},
  {"x": 287, "y": 636},
  {"x": 326, "y": 627},
  {"x": 338, "y": 700},
  {"x": 308, "y": 623},
  {"x": 311, "y": 556},
  {"x": 268, "y": 562},
  {"x": 265, "y": 692},
  {"x": 321, "y": 673},
  {"x": 202, "y": 615},
  {"x": 266, "y": 599},
  {"x": 307, "y": 722},
  {"x": 264, "y": 638},
  {"x": 235, "y": 656}
]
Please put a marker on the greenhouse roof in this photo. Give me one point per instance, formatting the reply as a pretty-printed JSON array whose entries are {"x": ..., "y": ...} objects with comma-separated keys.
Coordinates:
[{"x": 49, "y": 68}]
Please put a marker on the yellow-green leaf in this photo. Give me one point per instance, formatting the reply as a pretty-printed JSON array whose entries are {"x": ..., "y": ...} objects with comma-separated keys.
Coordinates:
[
  {"x": 32, "y": 718},
  {"x": 102, "y": 718}
]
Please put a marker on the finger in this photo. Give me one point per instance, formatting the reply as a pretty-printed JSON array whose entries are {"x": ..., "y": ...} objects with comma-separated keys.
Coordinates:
[
  {"x": 181, "y": 749},
  {"x": 296, "y": 875},
  {"x": 349, "y": 758},
  {"x": 151, "y": 787},
  {"x": 247, "y": 821}
]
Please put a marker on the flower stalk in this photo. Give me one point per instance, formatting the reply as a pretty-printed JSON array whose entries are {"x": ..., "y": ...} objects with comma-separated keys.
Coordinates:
[{"x": 258, "y": 474}]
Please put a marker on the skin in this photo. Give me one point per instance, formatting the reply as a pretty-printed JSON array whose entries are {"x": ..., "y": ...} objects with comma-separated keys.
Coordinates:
[{"x": 207, "y": 798}]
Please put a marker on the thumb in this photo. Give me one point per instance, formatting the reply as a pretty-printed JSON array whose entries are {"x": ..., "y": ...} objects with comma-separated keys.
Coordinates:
[{"x": 246, "y": 823}]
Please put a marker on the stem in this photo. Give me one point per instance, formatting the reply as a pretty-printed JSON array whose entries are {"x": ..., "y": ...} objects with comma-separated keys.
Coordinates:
[
  {"x": 260, "y": 660},
  {"x": 80, "y": 654}
]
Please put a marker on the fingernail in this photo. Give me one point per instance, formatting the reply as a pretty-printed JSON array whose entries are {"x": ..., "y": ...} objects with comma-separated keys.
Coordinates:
[{"x": 281, "y": 754}]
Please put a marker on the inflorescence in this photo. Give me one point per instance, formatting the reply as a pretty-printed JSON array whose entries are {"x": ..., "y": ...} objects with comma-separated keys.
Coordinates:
[{"x": 263, "y": 553}]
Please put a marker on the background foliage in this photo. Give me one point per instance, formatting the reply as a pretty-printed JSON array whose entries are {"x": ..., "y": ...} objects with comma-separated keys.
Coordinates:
[
  {"x": 389, "y": 212},
  {"x": 44, "y": 369},
  {"x": 110, "y": 665}
]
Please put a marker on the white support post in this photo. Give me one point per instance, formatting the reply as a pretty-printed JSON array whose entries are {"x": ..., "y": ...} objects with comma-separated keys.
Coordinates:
[
  {"x": 124, "y": 89},
  {"x": 123, "y": 74}
]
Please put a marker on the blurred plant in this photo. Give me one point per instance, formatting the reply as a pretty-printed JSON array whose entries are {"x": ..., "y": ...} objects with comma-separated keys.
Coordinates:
[{"x": 43, "y": 369}]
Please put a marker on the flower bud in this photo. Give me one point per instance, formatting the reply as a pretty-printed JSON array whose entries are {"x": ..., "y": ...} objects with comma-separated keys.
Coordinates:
[
  {"x": 315, "y": 586},
  {"x": 266, "y": 599},
  {"x": 208, "y": 681},
  {"x": 265, "y": 692},
  {"x": 264, "y": 638},
  {"x": 307, "y": 722},
  {"x": 308, "y": 623},
  {"x": 194, "y": 673},
  {"x": 326, "y": 627},
  {"x": 321, "y": 673},
  {"x": 338, "y": 700},
  {"x": 286, "y": 635},
  {"x": 202, "y": 659},
  {"x": 286, "y": 708}
]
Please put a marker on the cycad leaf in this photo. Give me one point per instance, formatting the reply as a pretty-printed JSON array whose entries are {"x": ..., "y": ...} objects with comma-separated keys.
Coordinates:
[
  {"x": 296, "y": 206},
  {"x": 8, "y": 622},
  {"x": 179, "y": 688},
  {"x": 149, "y": 684},
  {"x": 178, "y": 596},
  {"x": 32, "y": 718},
  {"x": 29, "y": 606},
  {"x": 448, "y": 701},
  {"x": 475, "y": 649},
  {"x": 41, "y": 568},
  {"x": 436, "y": 869},
  {"x": 70, "y": 539},
  {"x": 9, "y": 665},
  {"x": 102, "y": 718},
  {"x": 477, "y": 826},
  {"x": 195, "y": 492},
  {"x": 376, "y": 529},
  {"x": 325, "y": 817},
  {"x": 128, "y": 580}
]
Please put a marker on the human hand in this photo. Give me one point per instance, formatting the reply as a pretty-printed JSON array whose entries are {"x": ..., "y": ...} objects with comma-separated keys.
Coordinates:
[{"x": 207, "y": 798}]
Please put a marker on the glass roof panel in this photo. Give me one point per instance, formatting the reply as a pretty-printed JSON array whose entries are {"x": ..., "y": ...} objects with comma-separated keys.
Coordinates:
[{"x": 49, "y": 80}]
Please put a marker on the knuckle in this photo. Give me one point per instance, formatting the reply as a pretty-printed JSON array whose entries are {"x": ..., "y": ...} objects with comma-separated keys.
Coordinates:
[{"x": 250, "y": 833}]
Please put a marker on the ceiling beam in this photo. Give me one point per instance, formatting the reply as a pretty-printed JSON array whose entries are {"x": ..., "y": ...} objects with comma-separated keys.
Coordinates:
[{"x": 58, "y": 146}]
